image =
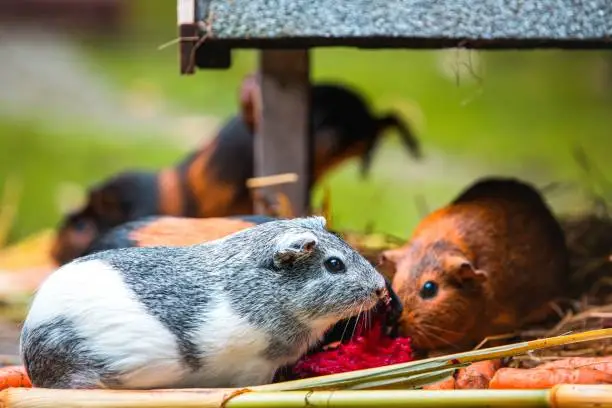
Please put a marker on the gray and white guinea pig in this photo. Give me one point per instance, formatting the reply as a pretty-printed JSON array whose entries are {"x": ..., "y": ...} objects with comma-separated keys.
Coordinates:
[{"x": 226, "y": 313}]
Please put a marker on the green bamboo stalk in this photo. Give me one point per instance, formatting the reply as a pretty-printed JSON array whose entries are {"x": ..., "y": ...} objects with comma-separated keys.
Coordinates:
[
  {"x": 405, "y": 383},
  {"x": 373, "y": 377},
  {"x": 393, "y": 399},
  {"x": 561, "y": 396}
]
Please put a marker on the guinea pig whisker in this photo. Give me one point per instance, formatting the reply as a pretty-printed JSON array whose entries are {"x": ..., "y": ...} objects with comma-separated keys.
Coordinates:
[
  {"x": 435, "y": 336},
  {"x": 344, "y": 331},
  {"x": 442, "y": 339},
  {"x": 349, "y": 311},
  {"x": 420, "y": 334},
  {"x": 440, "y": 329},
  {"x": 429, "y": 340},
  {"x": 347, "y": 314},
  {"x": 357, "y": 321}
]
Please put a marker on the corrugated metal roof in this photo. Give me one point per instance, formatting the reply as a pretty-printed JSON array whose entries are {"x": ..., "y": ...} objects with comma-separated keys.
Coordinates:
[{"x": 433, "y": 19}]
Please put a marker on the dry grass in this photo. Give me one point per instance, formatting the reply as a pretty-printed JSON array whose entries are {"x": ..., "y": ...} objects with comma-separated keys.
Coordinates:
[{"x": 589, "y": 240}]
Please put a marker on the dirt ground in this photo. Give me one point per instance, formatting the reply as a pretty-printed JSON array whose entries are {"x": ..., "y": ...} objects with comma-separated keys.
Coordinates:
[{"x": 9, "y": 342}]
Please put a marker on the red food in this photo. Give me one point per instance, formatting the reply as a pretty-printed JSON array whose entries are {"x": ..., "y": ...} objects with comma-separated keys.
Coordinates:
[{"x": 367, "y": 349}]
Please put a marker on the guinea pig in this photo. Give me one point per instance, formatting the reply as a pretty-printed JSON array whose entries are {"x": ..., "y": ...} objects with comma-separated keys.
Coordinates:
[
  {"x": 344, "y": 124},
  {"x": 349, "y": 129},
  {"x": 172, "y": 231},
  {"x": 129, "y": 195},
  {"x": 211, "y": 182},
  {"x": 488, "y": 263},
  {"x": 225, "y": 313},
  {"x": 181, "y": 231}
]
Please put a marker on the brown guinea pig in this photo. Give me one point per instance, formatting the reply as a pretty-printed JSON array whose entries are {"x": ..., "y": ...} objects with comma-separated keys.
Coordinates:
[
  {"x": 486, "y": 264},
  {"x": 211, "y": 182}
]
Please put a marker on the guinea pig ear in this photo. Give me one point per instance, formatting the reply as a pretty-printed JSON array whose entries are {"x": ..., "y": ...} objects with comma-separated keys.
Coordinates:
[
  {"x": 314, "y": 221},
  {"x": 106, "y": 203},
  {"x": 464, "y": 270},
  {"x": 293, "y": 247},
  {"x": 391, "y": 256},
  {"x": 366, "y": 157},
  {"x": 388, "y": 260}
]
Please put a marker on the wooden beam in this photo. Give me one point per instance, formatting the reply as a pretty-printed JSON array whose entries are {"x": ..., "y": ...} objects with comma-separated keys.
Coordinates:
[
  {"x": 188, "y": 32},
  {"x": 282, "y": 142}
]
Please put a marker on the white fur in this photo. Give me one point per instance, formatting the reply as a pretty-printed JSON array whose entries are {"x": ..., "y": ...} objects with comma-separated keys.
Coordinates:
[
  {"x": 287, "y": 240},
  {"x": 106, "y": 313},
  {"x": 319, "y": 219},
  {"x": 234, "y": 349}
]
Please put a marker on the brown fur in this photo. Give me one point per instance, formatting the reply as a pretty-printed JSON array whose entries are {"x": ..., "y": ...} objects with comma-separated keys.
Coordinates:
[
  {"x": 175, "y": 231},
  {"x": 212, "y": 196},
  {"x": 326, "y": 162},
  {"x": 498, "y": 256},
  {"x": 250, "y": 101},
  {"x": 108, "y": 204},
  {"x": 171, "y": 196},
  {"x": 71, "y": 242}
]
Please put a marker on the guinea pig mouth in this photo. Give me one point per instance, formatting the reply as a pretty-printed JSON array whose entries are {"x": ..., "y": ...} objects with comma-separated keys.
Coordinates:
[
  {"x": 425, "y": 335},
  {"x": 365, "y": 306}
]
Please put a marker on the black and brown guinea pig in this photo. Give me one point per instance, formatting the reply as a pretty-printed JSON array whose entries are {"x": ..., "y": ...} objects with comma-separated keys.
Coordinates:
[
  {"x": 211, "y": 182},
  {"x": 182, "y": 231},
  {"x": 168, "y": 230}
]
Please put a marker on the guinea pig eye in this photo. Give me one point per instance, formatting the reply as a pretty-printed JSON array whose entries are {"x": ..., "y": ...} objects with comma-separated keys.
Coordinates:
[
  {"x": 429, "y": 290},
  {"x": 334, "y": 265},
  {"x": 80, "y": 225}
]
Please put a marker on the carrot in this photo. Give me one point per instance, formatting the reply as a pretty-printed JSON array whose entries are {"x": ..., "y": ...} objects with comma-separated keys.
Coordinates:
[
  {"x": 520, "y": 378},
  {"x": 477, "y": 375},
  {"x": 596, "y": 363},
  {"x": 14, "y": 376},
  {"x": 445, "y": 384}
]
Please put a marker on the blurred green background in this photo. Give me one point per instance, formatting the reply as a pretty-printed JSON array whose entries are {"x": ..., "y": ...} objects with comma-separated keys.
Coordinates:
[{"x": 75, "y": 109}]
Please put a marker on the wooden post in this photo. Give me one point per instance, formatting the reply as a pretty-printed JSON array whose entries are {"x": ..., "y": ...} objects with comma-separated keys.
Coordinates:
[
  {"x": 188, "y": 31},
  {"x": 282, "y": 141}
]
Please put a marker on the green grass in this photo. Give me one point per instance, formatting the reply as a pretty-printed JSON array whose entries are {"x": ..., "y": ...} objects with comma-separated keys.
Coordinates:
[
  {"x": 528, "y": 104},
  {"x": 522, "y": 113},
  {"x": 41, "y": 160}
]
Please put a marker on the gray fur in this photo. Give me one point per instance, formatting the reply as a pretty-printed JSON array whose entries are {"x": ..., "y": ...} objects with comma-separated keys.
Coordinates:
[
  {"x": 170, "y": 288},
  {"x": 56, "y": 356},
  {"x": 265, "y": 272}
]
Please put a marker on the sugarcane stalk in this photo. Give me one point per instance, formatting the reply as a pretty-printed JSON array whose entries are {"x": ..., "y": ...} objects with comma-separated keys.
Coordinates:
[
  {"x": 391, "y": 399},
  {"x": 562, "y": 396},
  {"x": 580, "y": 396},
  {"x": 65, "y": 398}
]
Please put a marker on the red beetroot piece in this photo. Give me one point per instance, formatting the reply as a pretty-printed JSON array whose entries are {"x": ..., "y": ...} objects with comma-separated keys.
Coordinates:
[{"x": 367, "y": 349}]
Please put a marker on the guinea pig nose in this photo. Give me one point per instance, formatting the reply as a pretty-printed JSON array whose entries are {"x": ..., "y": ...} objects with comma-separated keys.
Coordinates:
[{"x": 382, "y": 293}]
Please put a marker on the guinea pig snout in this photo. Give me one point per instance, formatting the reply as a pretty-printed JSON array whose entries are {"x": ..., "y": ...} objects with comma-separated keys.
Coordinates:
[{"x": 383, "y": 294}]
